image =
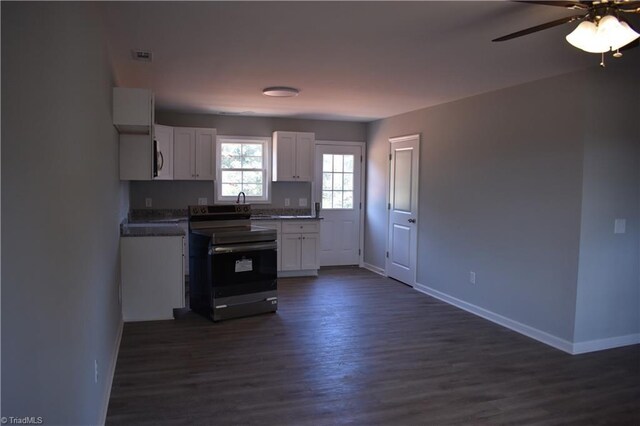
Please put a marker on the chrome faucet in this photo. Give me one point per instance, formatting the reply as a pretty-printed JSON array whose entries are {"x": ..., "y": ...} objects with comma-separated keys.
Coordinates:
[{"x": 244, "y": 198}]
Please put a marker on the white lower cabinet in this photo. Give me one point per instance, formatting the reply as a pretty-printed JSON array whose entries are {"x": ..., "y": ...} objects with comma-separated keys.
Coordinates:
[
  {"x": 298, "y": 245},
  {"x": 301, "y": 246},
  {"x": 152, "y": 277},
  {"x": 291, "y": 248}
]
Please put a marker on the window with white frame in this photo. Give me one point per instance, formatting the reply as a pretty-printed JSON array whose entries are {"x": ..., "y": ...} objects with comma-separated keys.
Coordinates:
[
  {"x": 337, "y": 181},
  {"x": 243, "y": 165}
]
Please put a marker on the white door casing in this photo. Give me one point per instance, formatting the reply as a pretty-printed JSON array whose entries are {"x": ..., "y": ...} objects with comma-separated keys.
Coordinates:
[
  {"x": 402, "y": 238},
  {"x": 340, "y": 230}
]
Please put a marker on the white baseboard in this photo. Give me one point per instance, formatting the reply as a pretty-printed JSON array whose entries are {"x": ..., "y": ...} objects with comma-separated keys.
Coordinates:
[
  {"x": 374, "y": 269},
  {"x": 534, "y": 333},
  {"x": 608, "y": 343},
  {"x": 110, "y": 373}
]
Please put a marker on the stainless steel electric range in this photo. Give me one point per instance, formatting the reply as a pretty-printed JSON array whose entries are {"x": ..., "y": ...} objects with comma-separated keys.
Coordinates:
[{"x": 232, "y": 265}]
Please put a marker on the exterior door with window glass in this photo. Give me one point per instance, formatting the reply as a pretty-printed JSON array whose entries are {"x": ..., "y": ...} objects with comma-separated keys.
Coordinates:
[
  {"x": 243, "y": 166},
  {"x": 338, "y": 188}
]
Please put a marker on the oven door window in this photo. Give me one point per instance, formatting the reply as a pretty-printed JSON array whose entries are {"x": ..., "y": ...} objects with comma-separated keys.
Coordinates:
[{"x": 243, "y": 272}]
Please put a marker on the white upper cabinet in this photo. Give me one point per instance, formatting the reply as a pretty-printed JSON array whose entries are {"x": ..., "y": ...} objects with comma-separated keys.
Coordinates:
[
  {"x": 136, "y": 157},
  {"x": 293, "y": 156},
  {"x": 205, "y": 154},
  {"x": 194, "y": 153},
  {"x": 133, "y": 110},
  {"x": 164, "y": 152}
]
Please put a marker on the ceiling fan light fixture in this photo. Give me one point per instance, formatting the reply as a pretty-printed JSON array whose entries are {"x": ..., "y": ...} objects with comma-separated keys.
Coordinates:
[
  {"x": 585, "y": 37},
  {"x": 608, "y": 34},
  {"x": 280, "y": 91},
  {"x": 621, "y": 35}
]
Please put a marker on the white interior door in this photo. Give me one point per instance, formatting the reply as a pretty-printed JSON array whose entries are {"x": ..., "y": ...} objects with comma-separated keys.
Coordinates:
[
  {"x": 338, "y": 188},
  {"x": 402, "y": 243}
]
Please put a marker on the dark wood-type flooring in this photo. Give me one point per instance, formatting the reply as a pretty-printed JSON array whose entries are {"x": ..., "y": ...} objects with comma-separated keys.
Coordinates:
[{"x": 351, "y": 347}]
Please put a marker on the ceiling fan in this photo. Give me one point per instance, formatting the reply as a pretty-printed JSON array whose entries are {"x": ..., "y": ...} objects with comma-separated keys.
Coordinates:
[{"x": 604, "y": 25}]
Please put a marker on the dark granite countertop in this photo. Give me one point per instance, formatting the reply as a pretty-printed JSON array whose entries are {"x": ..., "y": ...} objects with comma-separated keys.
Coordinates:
[
  {"x": 151, "y": 231},
  {"x": 173, "y": 216},
  {"x": 284, "y": 217}
]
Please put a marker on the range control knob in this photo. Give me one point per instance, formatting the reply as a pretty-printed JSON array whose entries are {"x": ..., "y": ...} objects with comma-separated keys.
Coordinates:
[
  {"x": 203, "y": 209},
  {"x": 246, "y": 208}
]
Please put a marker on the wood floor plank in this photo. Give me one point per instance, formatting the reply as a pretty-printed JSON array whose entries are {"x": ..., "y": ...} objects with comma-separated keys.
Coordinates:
[{"x": 351, "y": 347}]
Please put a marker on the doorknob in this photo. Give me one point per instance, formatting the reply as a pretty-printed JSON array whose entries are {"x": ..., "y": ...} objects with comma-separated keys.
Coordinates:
[{"x": 412, "y": 221}]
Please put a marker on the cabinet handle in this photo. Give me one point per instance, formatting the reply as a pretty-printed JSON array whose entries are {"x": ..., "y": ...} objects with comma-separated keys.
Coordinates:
[{"x": 161, "y": 161}]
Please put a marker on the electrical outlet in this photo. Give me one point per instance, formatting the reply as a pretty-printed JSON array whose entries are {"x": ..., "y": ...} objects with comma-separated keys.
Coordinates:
[
  {"x": 302, "y": 202},
  {"x": 472, "y": 277},
  {"x": 287, "y": 202},
  {"x": 620, "y": 226},
  {"x": 148, "y": 202},
  {"x": 202, "y": 201},
  {"x": 95, "y": 369}
]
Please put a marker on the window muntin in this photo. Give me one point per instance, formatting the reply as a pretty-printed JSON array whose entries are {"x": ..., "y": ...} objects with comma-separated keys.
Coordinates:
[
  {"x": 337, "y": 181},
  {"x": 243, "y": 166}
]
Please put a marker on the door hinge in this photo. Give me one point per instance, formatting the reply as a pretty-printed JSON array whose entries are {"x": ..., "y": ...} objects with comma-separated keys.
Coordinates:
[
  {"x": 361, "y": 158},
  {"x": 359, "y": 252},
  {"x": 360, "y": 206},
  {"x": 389, "y": 206},
  {"x": 390, "y": 157},
  {"x": 387, "y": 254}
]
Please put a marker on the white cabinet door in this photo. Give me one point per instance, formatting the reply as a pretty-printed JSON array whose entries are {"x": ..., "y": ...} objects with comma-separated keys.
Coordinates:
[
  {"x": 284, "y": 156},
  {"x": 136, "y": 157},
  {"x": 291, "y": 245},
  {"x": 164, "y": 140},
  {"x": 133, "y": 110},
  {"x": 310, "y": 249},
  {"x": 152, "y": 277},
  {"x": 184, "y": 153},
  {"x": 205, "y": 154},
  {"x": 305, "y": 144},
  {"x": 194, "y": 153}
]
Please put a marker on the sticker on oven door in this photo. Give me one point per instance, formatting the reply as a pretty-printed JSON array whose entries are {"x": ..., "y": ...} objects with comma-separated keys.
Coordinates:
[{"x": 244, "y": 265}]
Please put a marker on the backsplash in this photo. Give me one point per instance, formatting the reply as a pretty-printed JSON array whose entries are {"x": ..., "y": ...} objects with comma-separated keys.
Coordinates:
[{"x": 180, "y": 194}]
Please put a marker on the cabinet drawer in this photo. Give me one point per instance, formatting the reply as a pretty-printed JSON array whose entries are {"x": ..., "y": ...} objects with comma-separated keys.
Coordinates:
[
  {"x": 269, "y": 224},
  {"x": 303, "y": 227}
]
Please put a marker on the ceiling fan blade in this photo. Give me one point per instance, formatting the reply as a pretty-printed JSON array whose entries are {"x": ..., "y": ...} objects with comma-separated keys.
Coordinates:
[
  {"x": 565, "y": 4},
  {"x": 540, "y": 27}
]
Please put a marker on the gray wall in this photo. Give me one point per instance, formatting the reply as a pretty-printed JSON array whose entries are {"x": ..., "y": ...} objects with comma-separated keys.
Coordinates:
[
  {"x": 61, "y": 207},
  {"x": 179, "y": 194},
  {"x": 608, "y": 302},
  {"x": 500, "y": 194}
]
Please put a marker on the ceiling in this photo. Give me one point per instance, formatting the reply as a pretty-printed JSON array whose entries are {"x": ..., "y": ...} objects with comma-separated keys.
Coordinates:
[{"x": 356, "y": 61}]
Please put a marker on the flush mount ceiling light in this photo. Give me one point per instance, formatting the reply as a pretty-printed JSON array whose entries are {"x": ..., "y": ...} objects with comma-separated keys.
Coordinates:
[
  {"x": 602, "y": 28},
  {"x": 280, "y": 92}
]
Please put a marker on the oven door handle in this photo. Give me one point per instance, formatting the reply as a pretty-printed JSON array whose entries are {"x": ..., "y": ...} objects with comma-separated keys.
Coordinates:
[{"x": 242, "y": 248}]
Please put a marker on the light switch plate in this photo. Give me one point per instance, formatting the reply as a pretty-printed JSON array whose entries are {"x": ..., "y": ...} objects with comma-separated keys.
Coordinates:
[
  {"x": 472, "y": 277},
  {"x": 202, "y": 201},
  {"x": 148, "y": 202},
  {"x": 620, "y": 226},
  {"x": 287, "y": 202},
  {"x": 302, "y": 202}
]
